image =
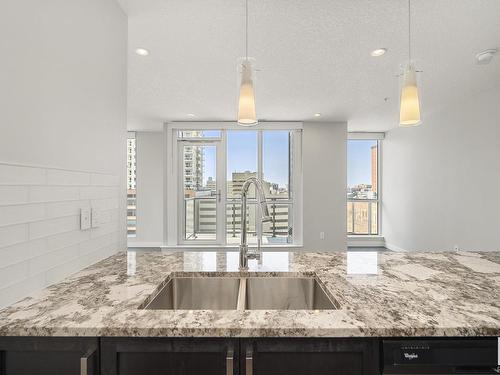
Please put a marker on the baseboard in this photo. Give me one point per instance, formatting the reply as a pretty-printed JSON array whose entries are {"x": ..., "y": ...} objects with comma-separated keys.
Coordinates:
[
  {"x": 149, "y": 245},
  {"x": 142, "y": 244},
  {"x": 365, "y": 241},
  {"x": 394, "y": 247}
]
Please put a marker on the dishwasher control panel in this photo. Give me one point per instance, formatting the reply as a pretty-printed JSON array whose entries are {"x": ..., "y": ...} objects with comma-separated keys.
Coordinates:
[{"x": 441, "y": 356}]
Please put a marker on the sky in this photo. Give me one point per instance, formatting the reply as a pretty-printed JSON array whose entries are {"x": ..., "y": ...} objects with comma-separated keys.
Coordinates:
[
  {"x": 242, "y": 155},
  {"x": 359, "y": 161}
]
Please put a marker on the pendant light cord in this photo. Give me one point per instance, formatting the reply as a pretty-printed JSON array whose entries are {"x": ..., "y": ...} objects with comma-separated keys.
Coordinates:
[
  {"x": 409, "y": 31},
  {"x": 246, "y": 29}
]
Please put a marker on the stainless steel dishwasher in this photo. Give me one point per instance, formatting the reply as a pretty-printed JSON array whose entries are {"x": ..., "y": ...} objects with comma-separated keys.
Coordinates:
[{"x": 441, "y": 356}]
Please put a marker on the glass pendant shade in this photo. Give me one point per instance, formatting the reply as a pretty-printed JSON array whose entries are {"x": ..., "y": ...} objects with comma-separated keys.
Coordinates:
[
  {"x": 246, "y": 104},
  {"x": 409, "y": 114}
]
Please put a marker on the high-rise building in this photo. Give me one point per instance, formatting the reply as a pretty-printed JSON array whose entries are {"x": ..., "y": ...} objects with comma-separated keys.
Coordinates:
[
  {"x": 131, "y": 187},
  {"x": 211, "y": 184},
  {"x": 131, "y": 164},
  {"x": 374, "y": 160},
  {"x": 194, "y": 159},
  {"x": 239, "y": 178},
  {"x": 237, "y": 181}
]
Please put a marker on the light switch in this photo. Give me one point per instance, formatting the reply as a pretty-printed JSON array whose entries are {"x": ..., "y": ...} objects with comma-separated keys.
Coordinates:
[
  {"x": 84, "y": 218},
  {"x": 96, "y": 217}
]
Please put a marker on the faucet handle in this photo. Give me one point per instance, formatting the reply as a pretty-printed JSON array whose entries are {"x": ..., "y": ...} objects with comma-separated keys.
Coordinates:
[
  {"x": 256, "y": 253},
  {"x": 253, "y": 255}
]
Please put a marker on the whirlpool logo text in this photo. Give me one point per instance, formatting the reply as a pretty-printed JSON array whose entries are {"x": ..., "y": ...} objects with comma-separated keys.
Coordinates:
[{"x": 410, "y": 356}]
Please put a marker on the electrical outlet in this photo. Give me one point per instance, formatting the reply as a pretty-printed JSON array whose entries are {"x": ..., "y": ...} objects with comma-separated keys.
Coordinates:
[
  {"x": 321, "y": 235},
  {"x": 96, "y": 217},
  {"x": 84, "y": 218}
]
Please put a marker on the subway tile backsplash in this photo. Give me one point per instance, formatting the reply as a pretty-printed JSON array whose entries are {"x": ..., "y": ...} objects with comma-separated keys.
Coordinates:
[{"x": 40, "y": 237}]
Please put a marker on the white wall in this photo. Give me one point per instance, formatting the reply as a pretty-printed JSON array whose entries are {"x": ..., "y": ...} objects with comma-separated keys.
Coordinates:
[
  {"x": 149, "y": 147},
  {"x": 62, "y": 138},
  {"x": 441, "y": 180},
  {"x": 324, "y": 185}
]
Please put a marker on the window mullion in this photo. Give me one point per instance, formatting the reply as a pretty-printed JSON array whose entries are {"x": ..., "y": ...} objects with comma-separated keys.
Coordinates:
[{"x": 260, "y": 175}]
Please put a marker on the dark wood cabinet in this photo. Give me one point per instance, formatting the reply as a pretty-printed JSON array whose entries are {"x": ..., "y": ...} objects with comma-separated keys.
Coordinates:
[
  {"x": 155, "y": 356},
  {"x": 188, "y": 356},
  {"x": 309, "y": 356},
  {"x": 49, "y": 356}
]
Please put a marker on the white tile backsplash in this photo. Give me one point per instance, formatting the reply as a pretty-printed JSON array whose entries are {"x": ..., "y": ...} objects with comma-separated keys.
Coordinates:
[
  {"x": 105, "y": 204},
  {"x": 21, "y": 213},
  {"x": 97, "y": 192},
  {"x": 65, "y": 239},
  {"x": 54, "y": 193},
  {"x": 52, "y": 258},
  {"x": 12, "y": 234},
  {"x": 59, "y": 271},
  {"x": 104, "y": 229},
  {"x": 22, "y": 175},
  {"x": 44, "y": 228},
  {"x": 14, "y": 273},
  {"x": 16, "y": 291},
  {"x": 22, "y": 251},
  {"x": 40, "y": 237},
  {"x": 91, "y": 245},
  {"x": 103, "y": 180},
  {"x": 60, "y": 177},
  {"x": 69, "y": 208},
  {"x": 14, "y": 194}
]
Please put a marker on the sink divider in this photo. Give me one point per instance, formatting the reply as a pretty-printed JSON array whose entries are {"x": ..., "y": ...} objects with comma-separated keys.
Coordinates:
[{"x": 242, "y": 293}]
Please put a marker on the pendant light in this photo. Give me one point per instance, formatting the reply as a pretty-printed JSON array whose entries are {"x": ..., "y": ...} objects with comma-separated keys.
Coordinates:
[
  {"x": 409, "y": 114},
  {"x": 246, "y": 105}
]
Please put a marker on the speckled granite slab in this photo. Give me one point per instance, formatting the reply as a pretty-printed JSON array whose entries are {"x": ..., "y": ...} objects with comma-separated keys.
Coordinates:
[{"x": 384, "y": 294}]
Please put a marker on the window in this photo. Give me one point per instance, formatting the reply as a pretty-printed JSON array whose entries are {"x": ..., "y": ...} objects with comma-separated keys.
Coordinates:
[
  {"x": 362, "y": 187},
  {"x": 131, "y": 185},
  {"x": 199, "y": 190},
  {"x": 189, "y": 134},
  {"x": 276, "y": 163},
  {"x": 213, "y": 165},
  {"x": 242, "y": 163}
]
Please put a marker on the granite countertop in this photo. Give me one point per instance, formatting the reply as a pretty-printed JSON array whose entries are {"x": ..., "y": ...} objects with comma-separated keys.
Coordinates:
[{"x": 380, "y": 294}]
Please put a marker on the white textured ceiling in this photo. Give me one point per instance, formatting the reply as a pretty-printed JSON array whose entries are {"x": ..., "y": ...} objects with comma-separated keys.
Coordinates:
[{"x": 313, "y": 56}]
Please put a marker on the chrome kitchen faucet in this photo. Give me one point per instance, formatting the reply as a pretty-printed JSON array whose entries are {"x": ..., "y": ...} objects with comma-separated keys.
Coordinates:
[{"x": 244, "y": 254}]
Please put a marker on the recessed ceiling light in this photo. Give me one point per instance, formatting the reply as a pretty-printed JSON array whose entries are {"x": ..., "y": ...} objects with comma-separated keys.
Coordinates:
[
  {"x": 142, "y": 51},
  {"x": 378, "y": 52},
  {"x": 191, "y": 115},
  {"x": 485, "y": 57},
  {"x": 317, "y": 115}
]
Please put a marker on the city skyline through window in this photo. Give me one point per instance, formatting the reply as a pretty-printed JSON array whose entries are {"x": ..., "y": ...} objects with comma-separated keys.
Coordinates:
[
  {"x": 266, "y": 154},
  {"x": 242, "y": 146},
  {"x": 361, "y": 165},
  {"x": 362, "y": 187},
  {"x": 131, "y": 186}
]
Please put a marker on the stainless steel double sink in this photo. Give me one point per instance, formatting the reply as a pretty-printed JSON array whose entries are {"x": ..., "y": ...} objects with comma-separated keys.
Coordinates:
[{"x": 237, "y": 292}]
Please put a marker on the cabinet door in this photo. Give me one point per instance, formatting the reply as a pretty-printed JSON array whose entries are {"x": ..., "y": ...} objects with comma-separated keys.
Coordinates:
[
  {"x": 309, "y": 356},
  {"x": 49, "y": 356},
  {"x": 155, "y": 356}
]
